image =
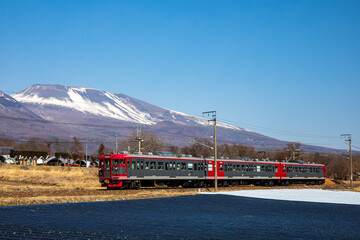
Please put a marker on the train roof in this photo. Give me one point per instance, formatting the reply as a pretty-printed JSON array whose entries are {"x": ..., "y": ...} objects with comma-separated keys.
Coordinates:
[{"x": 168, "y": 155}]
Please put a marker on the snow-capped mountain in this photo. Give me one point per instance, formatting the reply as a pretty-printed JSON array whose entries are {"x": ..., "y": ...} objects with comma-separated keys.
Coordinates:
[
  {"x": 85, "y": 102},
  {"x": 88, "y": 113}
]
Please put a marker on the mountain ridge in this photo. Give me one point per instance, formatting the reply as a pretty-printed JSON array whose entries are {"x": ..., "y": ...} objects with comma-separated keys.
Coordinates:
[{"x": 89, "y": 113}]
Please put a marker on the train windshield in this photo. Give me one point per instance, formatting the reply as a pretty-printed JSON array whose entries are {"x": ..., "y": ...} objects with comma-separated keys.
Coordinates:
[{"x": 107, "y": 161}]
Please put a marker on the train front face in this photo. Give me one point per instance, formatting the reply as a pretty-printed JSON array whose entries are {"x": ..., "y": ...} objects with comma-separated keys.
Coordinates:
[{"x": 112, "y": 170}]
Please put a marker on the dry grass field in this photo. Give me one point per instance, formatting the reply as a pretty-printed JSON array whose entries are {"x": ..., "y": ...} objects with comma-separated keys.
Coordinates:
[{"x": 23, "y": 185}]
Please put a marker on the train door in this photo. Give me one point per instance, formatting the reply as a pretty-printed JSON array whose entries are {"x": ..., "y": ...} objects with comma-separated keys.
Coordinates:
[
  {"x": 107, "y": 166},
  {"x": 278, "y": 167},
  {"x": 210, "y": 170},
  {"x": 220, "y": 168}
]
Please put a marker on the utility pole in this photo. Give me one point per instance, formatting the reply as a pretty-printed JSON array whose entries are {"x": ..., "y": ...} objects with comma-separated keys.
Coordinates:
[
  {"x": 86, "y": 165},
  {"x": 138, "y": 137},
  {"x": 212, "y": 114},
  {"x": 116, "y": 144},
  {"x": 348, "y": 139}
]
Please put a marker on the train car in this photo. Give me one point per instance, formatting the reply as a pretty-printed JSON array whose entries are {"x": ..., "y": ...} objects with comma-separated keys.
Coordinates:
[{"x": 136, "y": 170}]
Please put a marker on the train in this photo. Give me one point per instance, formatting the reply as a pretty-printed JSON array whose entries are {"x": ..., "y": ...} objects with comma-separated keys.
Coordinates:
[{"x": 132, "y": 171}]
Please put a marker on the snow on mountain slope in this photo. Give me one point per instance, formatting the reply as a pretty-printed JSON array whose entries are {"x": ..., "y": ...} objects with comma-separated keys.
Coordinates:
[
  {"x": 82, "y": 99},
  {"x": 92, "y": 102},
  {"x": 12, "y": 108}
]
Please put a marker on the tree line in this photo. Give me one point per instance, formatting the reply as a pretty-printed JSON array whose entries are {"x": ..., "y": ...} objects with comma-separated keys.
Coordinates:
[{"x": 338, "y": 166}]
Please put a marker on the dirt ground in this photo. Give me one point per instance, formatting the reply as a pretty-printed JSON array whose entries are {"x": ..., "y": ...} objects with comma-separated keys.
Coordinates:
[{"x": 22, "y": 193}]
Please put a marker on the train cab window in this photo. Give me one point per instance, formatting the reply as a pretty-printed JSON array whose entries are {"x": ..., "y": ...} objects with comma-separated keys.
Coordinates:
[
  {"x": 190, "y": 166},
  {"x": 276, "y": 169},
  {"x": 210, "y": 167},
  {"x": 221, "y": 167},
  {"x": 152, "y": 165},
  {"x": 107, "y": 161},
  {"x": 160, "y": 165}
]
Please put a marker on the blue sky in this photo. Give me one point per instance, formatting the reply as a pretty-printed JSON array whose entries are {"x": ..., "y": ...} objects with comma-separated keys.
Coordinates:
[{"x": 286, "y": 69}]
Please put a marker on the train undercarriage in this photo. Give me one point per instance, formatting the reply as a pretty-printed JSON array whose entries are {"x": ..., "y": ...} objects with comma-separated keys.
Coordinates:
[{"x": 136, "y": 184}]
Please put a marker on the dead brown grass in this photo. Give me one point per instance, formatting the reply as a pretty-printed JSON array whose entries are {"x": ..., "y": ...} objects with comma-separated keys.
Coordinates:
[
  {"x": 51, "y": 176},
  {"x": 329, "y": 182}
]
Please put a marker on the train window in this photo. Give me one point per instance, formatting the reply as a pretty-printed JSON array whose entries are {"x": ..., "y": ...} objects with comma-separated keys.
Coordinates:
[
  {"x": 183, "y": 166},
  {"x": 107, "y": 161},
  {"x": 258, "y": 168},
  {"x": 243, "y": 168},
  {"x": 284, "y": 168},
  {"x": 221, "y": 167},
  {"x": 178, "y": 166},
  {"x": 238, "y": 168},
  {"x": 152, "y": 165},
  {"x": 166, "y": 166},
  {"x": 160, "y": 165},
  {"x": 101, "y": 162},
  {"x": 276, "y": 169},
  {"x": 128, "y": 163},
  {"x": 147, "y": 165},
  {"x": 210, "y": 167},
  {"x": 263, "y": 168},
  {"x": 138, "y": 165},
  {"x": 195, "y": 167},
  {"x": 190, "y": 166},
  {"x": 133, "y": 165}
]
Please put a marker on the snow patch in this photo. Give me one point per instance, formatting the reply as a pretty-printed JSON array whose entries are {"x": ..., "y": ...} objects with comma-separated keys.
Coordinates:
[{"x": 303, "y": 195}]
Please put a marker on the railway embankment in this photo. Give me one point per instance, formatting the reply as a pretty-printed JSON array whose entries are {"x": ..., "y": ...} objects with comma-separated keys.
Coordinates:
[{"x": 25, "y": 185}]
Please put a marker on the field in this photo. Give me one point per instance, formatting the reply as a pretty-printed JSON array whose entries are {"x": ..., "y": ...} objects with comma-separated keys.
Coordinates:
[{"x": 23, "y": 185}]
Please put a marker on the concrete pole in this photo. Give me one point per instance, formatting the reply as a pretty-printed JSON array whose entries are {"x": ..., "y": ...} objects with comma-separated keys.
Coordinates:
[
  {"x": 215, "y": 157},
  {"x": 351, "y": 170}
]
